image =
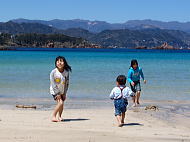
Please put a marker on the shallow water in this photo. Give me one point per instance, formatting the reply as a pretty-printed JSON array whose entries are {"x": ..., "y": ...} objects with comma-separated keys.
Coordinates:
[{"x": 25, "y": 74}]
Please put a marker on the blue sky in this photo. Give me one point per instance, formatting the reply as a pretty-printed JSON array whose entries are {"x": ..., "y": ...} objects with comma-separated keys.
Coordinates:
[{"x": 113, "y": 11}]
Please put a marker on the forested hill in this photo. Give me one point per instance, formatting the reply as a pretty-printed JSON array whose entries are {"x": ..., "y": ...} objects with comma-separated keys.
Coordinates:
[
  {"x": 15, "y": 28},
  {"x": 36, "y": 35},
  {"x": 134, "y": 38},
  {"x": 126, "y": 38}
]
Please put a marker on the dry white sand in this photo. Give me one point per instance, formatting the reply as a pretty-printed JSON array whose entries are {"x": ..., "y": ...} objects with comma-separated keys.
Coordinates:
[{"x": 89, "y": 125}]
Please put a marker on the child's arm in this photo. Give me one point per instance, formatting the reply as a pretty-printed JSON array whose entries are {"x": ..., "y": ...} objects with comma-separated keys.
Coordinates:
[
  {"x": 128, "y": 93},
  {"x": 142, "y": 75},
  {"x": 52, "y": 83},
  {"x": 66, "y": 83},
  {"x": 112, "y": 94},
  {"x": 129, "y": 77},
  {"x": 131, "y": 93}
]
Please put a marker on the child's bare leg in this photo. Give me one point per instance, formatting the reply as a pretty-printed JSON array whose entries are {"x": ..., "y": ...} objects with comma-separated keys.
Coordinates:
[
  {"x": 118, "y": 117},
  {"x": 61, "y": 103},
  {"x": 138, "y": 96},
  {"x": 134, "y": 100},
  {"x": 55, "y": 111},
  {"x": 122, "y": 117}
]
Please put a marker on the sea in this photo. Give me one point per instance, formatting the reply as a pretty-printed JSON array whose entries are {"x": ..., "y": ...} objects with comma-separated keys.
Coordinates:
[{"x": 25, "y": 73}]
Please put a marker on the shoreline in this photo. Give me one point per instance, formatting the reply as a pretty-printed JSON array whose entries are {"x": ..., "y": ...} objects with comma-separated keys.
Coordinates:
[
  {"x": 5, "y": 48},
  {"x": 96, "y": 124},
  {"x": 86, "y": 103},
  {"x": 170, "y": 111}
]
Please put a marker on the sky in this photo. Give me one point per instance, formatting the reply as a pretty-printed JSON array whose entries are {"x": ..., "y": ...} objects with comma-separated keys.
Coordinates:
[{"x": 112, "y": 11}]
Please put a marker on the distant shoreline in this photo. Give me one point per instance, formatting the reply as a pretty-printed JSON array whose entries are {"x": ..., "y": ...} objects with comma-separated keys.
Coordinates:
[{"x": 4, "y": 48}]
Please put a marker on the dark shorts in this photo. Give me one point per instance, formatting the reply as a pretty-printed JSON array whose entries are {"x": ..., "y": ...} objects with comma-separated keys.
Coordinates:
[
  {"x": 120, "y": 106},
  {"x": 63, "y": 97},
  {"x": 136, "y": 87}
]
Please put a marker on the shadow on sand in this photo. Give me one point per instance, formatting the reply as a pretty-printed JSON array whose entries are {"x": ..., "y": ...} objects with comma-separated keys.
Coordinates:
[
  {"x": 77, "y": 119},
  {"x": 133, "y": 124}
]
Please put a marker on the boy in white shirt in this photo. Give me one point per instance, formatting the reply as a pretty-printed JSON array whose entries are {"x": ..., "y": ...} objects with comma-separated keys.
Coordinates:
[{"x": 120, "y": 94}]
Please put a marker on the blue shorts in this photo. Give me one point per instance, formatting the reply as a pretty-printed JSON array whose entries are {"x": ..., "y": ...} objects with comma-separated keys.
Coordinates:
[{"x": 120, "y": 106}]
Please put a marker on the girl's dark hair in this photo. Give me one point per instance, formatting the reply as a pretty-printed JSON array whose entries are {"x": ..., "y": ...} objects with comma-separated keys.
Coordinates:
[
  {"x": 133, "y": 62},
  {"x": 66, "y": 66},
  {"x": 121, "y": 79}
]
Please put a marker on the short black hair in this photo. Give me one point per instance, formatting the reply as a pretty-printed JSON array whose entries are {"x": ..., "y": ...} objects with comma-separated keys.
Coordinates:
[{"x": 121, "y": 79}]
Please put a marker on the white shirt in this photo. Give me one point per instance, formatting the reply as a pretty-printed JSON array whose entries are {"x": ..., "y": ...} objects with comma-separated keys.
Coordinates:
[
  {"x": 116, "y": 93},
  {"x": 59, "y": 82}
]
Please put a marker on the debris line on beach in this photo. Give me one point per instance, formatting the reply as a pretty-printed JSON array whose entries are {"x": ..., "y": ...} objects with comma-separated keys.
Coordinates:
[{"x": 26, "y": 106}]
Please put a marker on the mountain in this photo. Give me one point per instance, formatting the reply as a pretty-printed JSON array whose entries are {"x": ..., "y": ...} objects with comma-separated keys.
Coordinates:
[
  {"x": 15, "y": 28},
  {"x": 174, "y": 25},
  {"x": 98, "y": 26},
  {"x": 78, "y": 32},
  {"x": 149, "y": 37},
  {"x": 93, "y": 26},
  {"x": 36, "y": 35},
  {"x": 137, "y": 36},
  {"x": 19, "y": 28},
  {"x": 134, "y": 38},
  {"x": 131, "y": 38}
]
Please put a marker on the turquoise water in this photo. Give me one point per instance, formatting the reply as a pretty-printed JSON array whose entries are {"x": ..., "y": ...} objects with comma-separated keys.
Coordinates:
[{"x": 25, "y": 74}]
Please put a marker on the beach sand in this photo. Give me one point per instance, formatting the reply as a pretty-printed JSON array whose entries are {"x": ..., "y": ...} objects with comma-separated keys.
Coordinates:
[{"x": 94, "y": 125}]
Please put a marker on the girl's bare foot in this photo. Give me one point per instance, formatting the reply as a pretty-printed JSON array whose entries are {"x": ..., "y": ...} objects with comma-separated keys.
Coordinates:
[
  {"x": 120, "y": 125},
  {"x": 61, "y": 119},
  {"x": 138, "y": 105},
  {"x": 134, "y": 105},
  {"x": 54, "y": 120}
]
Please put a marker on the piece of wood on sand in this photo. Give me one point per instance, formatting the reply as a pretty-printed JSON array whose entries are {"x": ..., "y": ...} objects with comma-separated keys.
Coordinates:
[
  {"x": 26, "y": 106},
  {"x": 151, "y": 107}
]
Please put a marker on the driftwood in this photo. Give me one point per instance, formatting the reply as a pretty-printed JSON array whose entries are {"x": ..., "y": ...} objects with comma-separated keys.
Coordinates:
[
  {"x": 25, "y": 106},
  {"x": 151, "y": 107}
]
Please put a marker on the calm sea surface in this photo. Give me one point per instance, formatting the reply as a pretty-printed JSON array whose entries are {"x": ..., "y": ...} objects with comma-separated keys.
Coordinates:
[{"x": 25, "y": 74}]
